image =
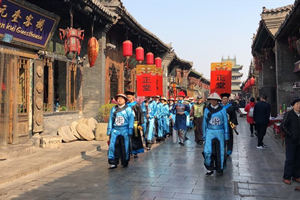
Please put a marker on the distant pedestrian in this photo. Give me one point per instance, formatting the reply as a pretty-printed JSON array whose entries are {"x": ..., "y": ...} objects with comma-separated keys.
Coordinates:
[
  {"x": 197, "y": 113},
  {"x": 291, "y": 127},
  {"x": 250, "y": 111},
  {"x": 119, "y": 130},
  {"x": 180, "y": 109},
  {"x": 261, "y": 116}
]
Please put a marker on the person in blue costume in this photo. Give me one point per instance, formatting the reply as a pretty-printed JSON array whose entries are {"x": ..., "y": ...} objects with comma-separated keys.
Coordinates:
[
  {"x": 119, "y": 130},
  {"x": 136, "y": 138},
  {"x": 215, "y": 133},
  {"x": 151, "y": 121},
  {"x": 180, "y": 109},
  {"x": 163, "y": 119},
  {"x": 144, "y": 108},
  {"x": 191, "y": 104},
  {"x": 172, "y": 116},
  {"x": 158, "y": 107},
  {"x": 231, "y": 114}
]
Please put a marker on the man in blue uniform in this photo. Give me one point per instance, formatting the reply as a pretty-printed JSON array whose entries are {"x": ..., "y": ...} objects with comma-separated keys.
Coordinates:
[
  {"x": 231, "y": 114},
  {"x": 136, "y": 138},
  {"x": 215, "y": 132},
  {"x": 163, "y": 119},
  {"x": 180, "y": 109},
  {"x": 151, "y": 120},
  {"x": 172, "y": 116},
  {"x": 120, "y": 128}
]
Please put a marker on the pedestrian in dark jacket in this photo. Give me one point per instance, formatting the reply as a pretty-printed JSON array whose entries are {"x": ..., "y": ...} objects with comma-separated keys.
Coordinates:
[
  {"x": 291, "y": 127},
  {"x": 261, "y": 116}
]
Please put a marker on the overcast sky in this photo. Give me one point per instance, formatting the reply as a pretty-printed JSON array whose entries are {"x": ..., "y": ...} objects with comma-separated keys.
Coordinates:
[{"x": 202, "y": 31}]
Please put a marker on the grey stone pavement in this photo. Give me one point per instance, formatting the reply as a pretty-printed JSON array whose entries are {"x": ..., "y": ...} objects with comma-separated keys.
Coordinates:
[{"x": 166, "y": 172}]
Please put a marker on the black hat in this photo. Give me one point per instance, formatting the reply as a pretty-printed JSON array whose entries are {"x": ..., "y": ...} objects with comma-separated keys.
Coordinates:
[
  {"x": 295, "y": 101},
  {"x": 225, "y": 95},
  {"x": 129, "y": 93}
]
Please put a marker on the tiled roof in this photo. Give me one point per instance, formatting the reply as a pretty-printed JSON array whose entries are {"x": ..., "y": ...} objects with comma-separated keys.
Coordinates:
[
  {"x": 103, "y": 8},
  {"x": 283, "y": 24},
  {"x": 273, "y": 18}
]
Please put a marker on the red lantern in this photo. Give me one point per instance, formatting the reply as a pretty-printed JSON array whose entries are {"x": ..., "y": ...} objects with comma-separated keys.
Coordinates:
[
  {"x": 150, "y": 58},
  {"x": 252, "y": 81},
  {"x": 72, "y": 39},
  {"x": 93, "y": 49},
  {"x": 158, "y": 62},
  {"x": 139, "y": 54},
  {"x": 127, "y": 48}
]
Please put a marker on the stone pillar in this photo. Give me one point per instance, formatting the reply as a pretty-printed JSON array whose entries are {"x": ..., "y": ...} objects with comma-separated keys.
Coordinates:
[{"x": 93, "y": 90}]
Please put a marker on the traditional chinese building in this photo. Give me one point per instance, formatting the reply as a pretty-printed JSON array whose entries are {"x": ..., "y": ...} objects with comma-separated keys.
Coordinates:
[
  {"x": 178, "y": 72},
  {"x": 287, "y": 48},
  {"x": 236, "y": 76},
  {"x": 264, "y": 53}
]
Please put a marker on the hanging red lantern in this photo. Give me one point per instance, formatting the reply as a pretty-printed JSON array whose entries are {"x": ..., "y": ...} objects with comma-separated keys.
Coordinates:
[
  {"x": 127, "y": 48},
  {"x": 93, "y": 49},
  {"x": 150, "y": 58},
  {"x": 72, "y": 38},
  {"x": 158, "y": 62},
  {"x": 252, "y": 81},
  {"x": 139, "y": 54}
]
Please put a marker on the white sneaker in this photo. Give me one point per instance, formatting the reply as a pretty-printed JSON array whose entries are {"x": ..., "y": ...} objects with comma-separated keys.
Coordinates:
[
  {"x": 265, "y": 146},
  {"x": 259, "y": 147}
]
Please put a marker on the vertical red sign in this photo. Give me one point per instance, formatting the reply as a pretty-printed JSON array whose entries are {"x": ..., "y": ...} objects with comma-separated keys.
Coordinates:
[
  {"x": 220, "y": 80},
  {"x": 146, "y": 80}
]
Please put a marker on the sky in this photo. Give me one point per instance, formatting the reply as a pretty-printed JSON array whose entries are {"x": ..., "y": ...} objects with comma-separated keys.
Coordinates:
[{"x": 204, "y": 31}]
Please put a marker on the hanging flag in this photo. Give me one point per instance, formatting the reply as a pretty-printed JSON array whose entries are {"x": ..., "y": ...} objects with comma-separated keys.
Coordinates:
[
  {"x": 159, "y": 81},
  {"x": 146, "y": 80},
  {"x": 220, "y": 77}
]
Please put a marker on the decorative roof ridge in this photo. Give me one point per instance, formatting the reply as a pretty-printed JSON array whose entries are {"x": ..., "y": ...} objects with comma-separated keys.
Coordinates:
[
  {"x": 288, "y": 16},
  {"x": 103, "y": 8},
  {"x": 279, "y": 9}
]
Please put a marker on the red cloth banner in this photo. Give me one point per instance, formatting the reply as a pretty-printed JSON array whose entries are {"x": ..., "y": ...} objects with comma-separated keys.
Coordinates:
[
  {"x": 159, "y": 81},
  {"x": 220, "y": 80},
  {"x": 146, "y": 80}
]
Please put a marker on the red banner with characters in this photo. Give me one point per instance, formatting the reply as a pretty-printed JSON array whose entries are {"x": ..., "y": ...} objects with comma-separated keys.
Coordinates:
[
  {"x": 146, "y": 80},
  {"x": 159, "y": 81},
  {"x": 220, "y": 77}
]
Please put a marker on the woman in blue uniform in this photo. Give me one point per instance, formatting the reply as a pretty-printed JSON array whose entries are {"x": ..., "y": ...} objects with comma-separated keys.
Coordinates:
[
  {"x": 180, "y": 109},
  {"x": 215, "y": 133},
  {"x": 119, "y": 130}
]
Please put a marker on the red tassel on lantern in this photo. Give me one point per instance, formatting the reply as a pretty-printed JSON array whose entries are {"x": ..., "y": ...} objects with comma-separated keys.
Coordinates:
[
  {"x": 139, "y": 53},
  {"x": 127, "y": 48},
  {"x": 150, "y": 58},
  {"x": 93, "y": 49},
  {"x": 158, "y": 62}
]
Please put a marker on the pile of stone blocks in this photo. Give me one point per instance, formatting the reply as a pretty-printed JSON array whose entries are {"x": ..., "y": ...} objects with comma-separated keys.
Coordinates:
[{"x": 83, "y": 129}]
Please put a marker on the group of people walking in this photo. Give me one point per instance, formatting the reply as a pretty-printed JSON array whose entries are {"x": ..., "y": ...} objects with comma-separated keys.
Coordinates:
[
  {"x": 258, "y": 115},
  {"x": 132, "y": 126}
]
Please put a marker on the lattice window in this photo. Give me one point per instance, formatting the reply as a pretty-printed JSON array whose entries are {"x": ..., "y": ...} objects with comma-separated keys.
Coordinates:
[{"x": 23, "y": 76}]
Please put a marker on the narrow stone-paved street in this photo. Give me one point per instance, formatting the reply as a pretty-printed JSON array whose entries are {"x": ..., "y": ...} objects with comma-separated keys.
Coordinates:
[{"x": 167, "y": 172}]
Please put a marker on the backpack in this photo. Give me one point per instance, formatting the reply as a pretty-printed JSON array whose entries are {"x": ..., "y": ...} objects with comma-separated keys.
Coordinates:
[{"x": 251, "y": 111}]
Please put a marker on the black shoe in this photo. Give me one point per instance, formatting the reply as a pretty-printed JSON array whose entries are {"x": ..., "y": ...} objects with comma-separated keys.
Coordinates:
[
  {"x": 252, "y": 135},
  {"x": 125, "y": 165},
  {"x": 112, "y": 166},
  {"x": 135, "y": 156},
  {"x": 209, "y": 173},
  {"x": 181, "y": 143},
  {"x": 186, "y": 138}
]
